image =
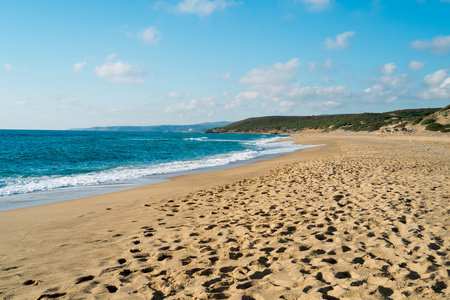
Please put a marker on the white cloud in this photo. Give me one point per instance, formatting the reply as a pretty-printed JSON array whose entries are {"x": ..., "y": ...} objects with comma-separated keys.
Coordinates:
[
  {"x": 398, "y": 82},
  {"x": 392, "y": 99},
  {"x": 389, "y": 68},
  {"x": 120, "y": 72},
  {"x": 316, "y": 5},
  {"x": 79, "y": 66},
  {"x": 150, "y": 35},
  {"x": 389, "y": 86},
  {"x": 242, "y": 98},
  {"x": 182, "y": 106},
  {"x": 318, "y": 92},
  {"x": 195, "y": 104},
  {"x": 21, "y": 103},
  {"x": 202, "y": 7},
  {"x": 177, "y": 95},
  {"x": 331, "y": 104},
  {"x": 438, "y": 45},
  {"x": 323, "y": 105},
  {"x": 116, "y": 110},
  {"x": 435, "y": 78},
  {"x": 341, "y": 41},
  {"x": 441, "y": 93},
  {"x": 286, "y": 97},
  {"x": 233, "y": 104},
  {"x": 311, "y": 66},
  {"x": 208, "y": 101},
  {"x": 328, "y": 64},
  {"x": 272, "y": 89},
  {"x": 437, "y": 86},
  {"x": 283, "y": 106},
  {"x": 111, "y": 56},
  {"x": 416, "y": 65},
  {"x": 278, "y": 73},
  {"x": 445, "y": 84},
  {"x": 325, "y": 79},
  {"x": 224, "y": 76},
  {"x": 249, "y": 95},
  {"x": 8, "y": 67},
  {"x": 421, "y": 45}
]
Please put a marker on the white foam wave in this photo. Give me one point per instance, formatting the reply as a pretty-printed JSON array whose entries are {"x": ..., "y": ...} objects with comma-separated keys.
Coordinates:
[
  {"x": 200, "y": 139},
  {"x": 263, "y": 147}
]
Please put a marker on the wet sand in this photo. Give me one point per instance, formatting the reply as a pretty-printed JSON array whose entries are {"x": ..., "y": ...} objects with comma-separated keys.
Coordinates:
[{"x": 366, "y": 216}]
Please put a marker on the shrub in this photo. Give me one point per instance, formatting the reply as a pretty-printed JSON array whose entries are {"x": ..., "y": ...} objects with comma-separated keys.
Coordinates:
[
  {"x": 435, "y": 127},
  {"x": 427, "y": 121},
  {"x": 446, "y": 108},
  {"x": 417, "y": 120}
]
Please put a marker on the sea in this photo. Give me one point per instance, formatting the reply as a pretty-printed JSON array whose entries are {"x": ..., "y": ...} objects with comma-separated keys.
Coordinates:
[{"x": 40, "y": 167}]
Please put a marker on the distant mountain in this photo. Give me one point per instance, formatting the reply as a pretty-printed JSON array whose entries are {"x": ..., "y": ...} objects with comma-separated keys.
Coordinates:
[{"x": 159, "y": 128}]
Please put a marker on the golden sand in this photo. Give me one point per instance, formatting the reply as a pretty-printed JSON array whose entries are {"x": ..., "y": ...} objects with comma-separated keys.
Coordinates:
[{"x": 364, "y": 217}]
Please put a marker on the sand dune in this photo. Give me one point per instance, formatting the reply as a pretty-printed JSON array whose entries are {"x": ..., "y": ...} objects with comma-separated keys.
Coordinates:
[{"x": 365, "y": 217}]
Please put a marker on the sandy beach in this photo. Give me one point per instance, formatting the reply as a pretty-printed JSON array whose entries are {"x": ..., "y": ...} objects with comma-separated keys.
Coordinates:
[{"x": 364, "y": 217}]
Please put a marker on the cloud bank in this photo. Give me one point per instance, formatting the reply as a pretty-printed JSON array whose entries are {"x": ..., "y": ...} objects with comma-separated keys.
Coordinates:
[{"x": 278, "y": 73}]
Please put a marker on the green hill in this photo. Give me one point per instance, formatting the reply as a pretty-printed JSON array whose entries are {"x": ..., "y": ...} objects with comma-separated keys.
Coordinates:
[{"x": 352, "y": 122}]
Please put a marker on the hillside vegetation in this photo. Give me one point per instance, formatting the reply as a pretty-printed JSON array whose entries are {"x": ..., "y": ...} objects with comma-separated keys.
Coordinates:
[{"x": 352, "y": 122}]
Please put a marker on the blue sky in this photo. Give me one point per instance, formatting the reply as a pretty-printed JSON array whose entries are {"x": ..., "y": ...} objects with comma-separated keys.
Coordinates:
[{"x": 73, "y": 64}]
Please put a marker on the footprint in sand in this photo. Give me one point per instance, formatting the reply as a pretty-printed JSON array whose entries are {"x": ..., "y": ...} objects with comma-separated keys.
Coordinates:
[
  {"x": 245, "y": 285},
  {"x": 111, "y": 288},
  {"x": 163, "y": 256},
  {"x": 187, "y": 260},
  {"x": 84, "y": 279},
  {"x": 121, "y": 261},
  {"x": 260, "y": 274},
  {"x": 51, "y": 296},
  {"x": 32, "y": 282},
  {"x": 125, "y": 272}
]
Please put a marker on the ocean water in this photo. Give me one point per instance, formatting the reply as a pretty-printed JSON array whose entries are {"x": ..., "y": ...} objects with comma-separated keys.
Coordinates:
[{"x": 38, "y": 167}]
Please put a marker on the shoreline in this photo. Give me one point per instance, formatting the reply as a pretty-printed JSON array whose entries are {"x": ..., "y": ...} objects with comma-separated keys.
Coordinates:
[
  {"x": 168, "y": 178},
  {"x": 45, "y": 197},
  {"x": 190, "y": 237}
]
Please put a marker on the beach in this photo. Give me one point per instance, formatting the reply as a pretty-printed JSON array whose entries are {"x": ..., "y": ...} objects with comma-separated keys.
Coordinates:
[{"x": 365, "y": 216}]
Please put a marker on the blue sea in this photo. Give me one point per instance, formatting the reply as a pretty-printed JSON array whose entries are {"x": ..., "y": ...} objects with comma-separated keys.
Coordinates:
[{"x": 39, "y": 167}]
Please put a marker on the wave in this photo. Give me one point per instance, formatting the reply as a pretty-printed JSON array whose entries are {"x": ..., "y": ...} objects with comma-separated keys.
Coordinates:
[
  {"x": 200, "y": 139},
  {"x": 262, "y": 147}
]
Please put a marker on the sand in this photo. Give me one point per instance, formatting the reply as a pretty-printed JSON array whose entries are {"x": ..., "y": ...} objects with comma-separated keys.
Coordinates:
[{"x": 364, "y": 217}]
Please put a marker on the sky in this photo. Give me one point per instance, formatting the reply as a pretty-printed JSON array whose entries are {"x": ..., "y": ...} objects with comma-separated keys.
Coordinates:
[{"x": 77, "y": 64}]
